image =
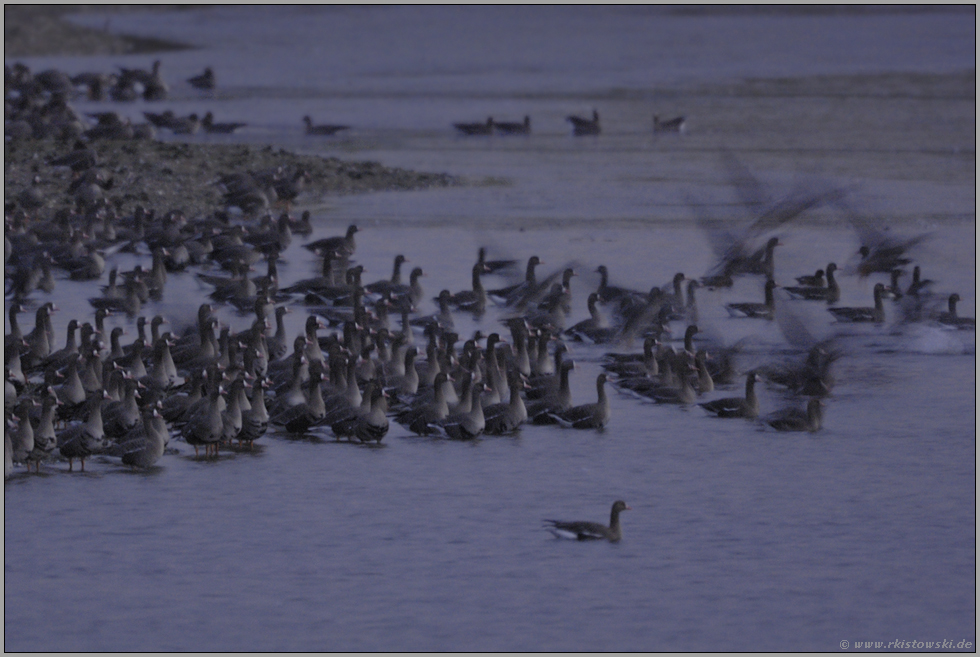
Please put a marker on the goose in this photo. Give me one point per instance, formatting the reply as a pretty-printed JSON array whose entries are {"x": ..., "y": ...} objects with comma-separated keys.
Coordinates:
[
  {"x": 588, "y": 416},
  {"x": 513, "y": 128},
  {"x": 952, "y": 320},
  {"x": 815, "y": 279},
  {"x": 875, "y": 315},
  {"x": 747, "y": 406},
  {"x": 583, "y": 531},
  {"x": 918, "y": 283},
  {"x": 144, "y": 444},
  {"x": 595, "y": 329},
  {"x": 677, "y": 124},
  {"x": 475, "y": 128},
  {"x": 372, "y": 425},
  {"x": 582, "y": 126},
  {"x": 323, "y": 129},
  {"x": 512, "y": 294},
  {"x": 507, "y": 417},
  {"x": 829, "y": 293},
  {"x": 341, "y": 246},
  {"x": 794, "y": 419},
  {"x": 475, "y": 299},
  {"x": 204, "y": 80},
  {"x": 79, "y": 441},
  {"x": 756, "y": 310}
]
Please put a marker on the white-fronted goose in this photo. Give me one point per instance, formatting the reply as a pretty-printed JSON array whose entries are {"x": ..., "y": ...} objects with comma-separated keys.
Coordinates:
[
  {"x": 583, "y": 530},
  {"x": 325, "y": 129},
  {"x": 794, "y": 419},
  {"x": 475, "y": 128},
  {"x": 875, "y": 314},
  {"x": 204, "y": 81},
  {"x": 588, "y": 416},
  {"x": 756, "y": 310},
  {"x": 677, "y": 124},
  {"x": 747, "y": 406},
  {"x": 829, "y": 293},
  {"x": 952, "y": 320},
  {"x": 513, "y": 128},
  {"x": 582, "y": 126}
]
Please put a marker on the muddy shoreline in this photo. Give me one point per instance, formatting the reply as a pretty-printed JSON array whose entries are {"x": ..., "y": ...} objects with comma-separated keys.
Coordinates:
[{"x": 161, "y": 175}]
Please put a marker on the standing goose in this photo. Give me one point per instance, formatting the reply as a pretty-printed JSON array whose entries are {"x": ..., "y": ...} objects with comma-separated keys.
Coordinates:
[
  {"x": 918, "y": 283},
  {"x": 756, "y": 310},
  {"x": 747, "y": 406},
  {"x": 469, "y": 421},
  {"x": 79, "y": 441},
  {"x": 875, "y": 315},
  {"x": 205, "y": 425},
  {"x": 582, "y": 126},
  {"x": 588, "y": 416},
  {"x": 372, "y": 425},
  {"x": 794, "y": 419},
  {"x": 255, "y": 421},
  {"x": 583, "y": 531},
  {"x": 143, "y": 445},
  {"x": 45, "y": 438}
]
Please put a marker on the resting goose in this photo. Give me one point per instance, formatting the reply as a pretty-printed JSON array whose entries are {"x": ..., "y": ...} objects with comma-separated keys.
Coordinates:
[
  {"x": 755, "y": 310},
  {"x": 588, "y": 416}
]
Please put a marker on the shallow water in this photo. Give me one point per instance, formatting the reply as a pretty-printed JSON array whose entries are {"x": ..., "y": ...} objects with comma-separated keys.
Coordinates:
[{"x": 739, "y": 538}]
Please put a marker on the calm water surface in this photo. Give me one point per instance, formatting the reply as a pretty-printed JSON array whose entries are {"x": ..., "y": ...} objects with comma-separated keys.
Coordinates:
[{"x": 739, "y": 538}]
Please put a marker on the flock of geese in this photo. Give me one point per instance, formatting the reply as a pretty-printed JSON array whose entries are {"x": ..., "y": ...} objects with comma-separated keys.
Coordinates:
[
  {"x": 367, "y": 356},
  {"x": 58, "y": 119}
]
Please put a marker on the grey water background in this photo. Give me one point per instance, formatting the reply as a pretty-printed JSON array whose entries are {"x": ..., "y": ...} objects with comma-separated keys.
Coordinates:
[{"x": 739, "y": 538}]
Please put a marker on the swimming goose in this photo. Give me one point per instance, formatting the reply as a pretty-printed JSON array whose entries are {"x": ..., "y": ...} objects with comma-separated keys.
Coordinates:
[
  {"x": 876, "y": 314},
  {"x": 794, "y": 419},
  {"x": 677, "y": 124},
  {"x": 475, "y": 128},
  {"x": 324, "y": 129},
  {"x": 582, "y": 126},
  {"x": 588, "y": 416},
  {"x": 475, "y": 299},
  {"x": 511, "y": 294},
  {"x": 341, "y": 246},
  {"x": 829, "y": 293},
  {"x": 952, "y": 320},
  {"x": 513, "y": 127},
  {"x": 811, "y": 280},
  {"x": 756, "y": 310},
  {"x": 582, "y": 531},
  {"x": 747, "y": 406},
  {"x": 506, "y": 417}
]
